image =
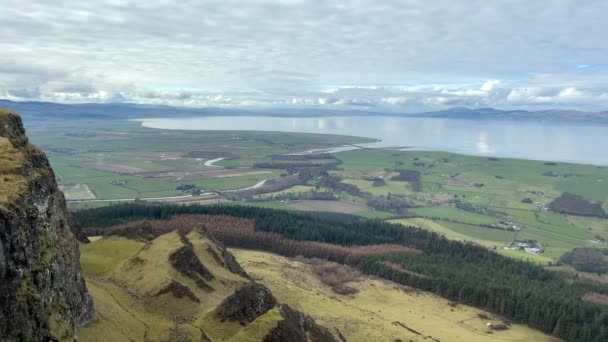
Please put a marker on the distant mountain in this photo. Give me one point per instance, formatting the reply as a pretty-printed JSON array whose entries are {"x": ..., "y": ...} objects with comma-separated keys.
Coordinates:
[
  {"x": 49, "y": 110},
  {"x": 543, "y": 115}
]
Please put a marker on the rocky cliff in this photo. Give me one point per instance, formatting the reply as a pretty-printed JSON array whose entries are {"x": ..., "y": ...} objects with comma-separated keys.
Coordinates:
[{"x": 42, "y": 292}]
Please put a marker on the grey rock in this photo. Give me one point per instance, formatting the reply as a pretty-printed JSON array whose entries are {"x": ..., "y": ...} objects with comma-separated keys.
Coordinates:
[
  {"x": 43, "y": 295},
  {"x": 247, "y": 303}
]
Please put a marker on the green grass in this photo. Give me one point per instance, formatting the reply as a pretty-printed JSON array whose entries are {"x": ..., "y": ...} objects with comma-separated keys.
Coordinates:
[
  {"x": 506, "y": 183},
  {"x": 128, "y": 306},
  {"x": 105, "y": 255},
  {"x": 128, "y": 143},
  {"x": 442, "y": 229},
  {"x": 87, "y": 205},
  {"x": 454, "y": 214},
  {"x": 501, "y": 237},
  {"x": 291, "y": 190},
  {"x": 375, "y": 214},
  {"x": 258, "y": 329},
  {"x": 522, "y": 255},
  {"x": 593, "y": 186},
  {"x": 390, "y": 187},
  {"x": 270, "y": 205}
]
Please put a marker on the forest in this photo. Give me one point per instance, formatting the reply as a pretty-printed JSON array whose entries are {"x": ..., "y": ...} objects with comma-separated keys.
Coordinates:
[
  {"x": 576, "y": 205},
  {"x": 462, "y": 272}
]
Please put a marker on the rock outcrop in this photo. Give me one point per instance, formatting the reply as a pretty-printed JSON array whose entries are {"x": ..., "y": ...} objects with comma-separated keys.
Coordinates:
[
  {"x": 298, "y": 327},
  {"x": 42, "y": 292},
  {"x": 247, "y": 303}
]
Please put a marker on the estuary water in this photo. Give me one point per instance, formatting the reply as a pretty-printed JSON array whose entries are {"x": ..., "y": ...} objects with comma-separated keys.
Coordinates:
[{"x": 585, "y": 143}]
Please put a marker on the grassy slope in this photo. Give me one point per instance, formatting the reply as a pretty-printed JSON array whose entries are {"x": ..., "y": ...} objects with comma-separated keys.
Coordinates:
[
  {"x": 369, "y": 315},
  {"x": 127, "y": 308},
  {"x": 12, "y": 183},
  {"x": 106, "y": 255}
]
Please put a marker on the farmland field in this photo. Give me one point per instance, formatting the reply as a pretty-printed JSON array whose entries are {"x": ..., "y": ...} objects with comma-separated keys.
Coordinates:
[
  {"x": 329, "y": 206},
  {"x": 489, "y": 201},
  {"x": 122, "y": 160},
  {"x": 462, "y": 196}
]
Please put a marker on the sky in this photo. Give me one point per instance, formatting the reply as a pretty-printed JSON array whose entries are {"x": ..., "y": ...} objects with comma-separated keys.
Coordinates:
[{"x": 390, "y": 55}]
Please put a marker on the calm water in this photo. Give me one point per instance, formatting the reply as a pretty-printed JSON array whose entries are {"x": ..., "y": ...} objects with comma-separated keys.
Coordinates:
[{"x": 580, "y": 143}]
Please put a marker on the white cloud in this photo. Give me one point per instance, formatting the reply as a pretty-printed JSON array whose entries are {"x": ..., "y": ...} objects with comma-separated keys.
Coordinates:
[
  {"x": 570, "y": 92},
  {"x": 389, "y": 55},
  {"x": 490, "y": 85},
  {"x": 394, "y": 100}
]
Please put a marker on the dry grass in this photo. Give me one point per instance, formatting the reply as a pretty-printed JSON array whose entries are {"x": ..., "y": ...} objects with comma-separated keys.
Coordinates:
[
  {"x": 258, "y": 329},
  {"x": 379, "y": 310},
  {"x": 595, "y": 297},
  {"x": 5, "y": 113},
  {"x": 126, "y": 279},
  {"x": 105, "y": 255},
  {"x": 333, "y": 274},
  {"x": 12, "y": 183}
]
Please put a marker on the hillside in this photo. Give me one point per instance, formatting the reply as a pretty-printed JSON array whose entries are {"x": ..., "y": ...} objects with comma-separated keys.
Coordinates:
[
  {"x": 42, "y": 293},
  {"x": 181, "y": 286},
  {"x": 139, "y": 293},
  {"x": 377, "y": 310},
  {"x": 463, "y": 273}
]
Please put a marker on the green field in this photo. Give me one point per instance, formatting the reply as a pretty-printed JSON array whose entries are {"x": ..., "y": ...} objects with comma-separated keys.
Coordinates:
[
  {"x": 453, "y": 214},
  {"x": 448, "y": 178},
  {"x": 123, "y": 160},
  {"x": 114, "y": 158},
  {"x": 390, "y": 187}
]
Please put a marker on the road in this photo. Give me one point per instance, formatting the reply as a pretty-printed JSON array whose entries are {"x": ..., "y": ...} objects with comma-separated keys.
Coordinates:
[{"x": 160, "y": 199}]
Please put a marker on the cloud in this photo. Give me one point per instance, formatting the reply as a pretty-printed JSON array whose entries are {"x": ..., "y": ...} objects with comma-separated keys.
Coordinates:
[
  {"x": 394, "y": 100},
  {"x": 393, "y": 55},
  {"x": 490, "y": 85}
]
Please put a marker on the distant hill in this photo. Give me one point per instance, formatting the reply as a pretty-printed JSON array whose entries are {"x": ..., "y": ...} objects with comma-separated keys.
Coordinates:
[
  {"x": 542, "y": 115},
  {"x": 50, "y": 110}
]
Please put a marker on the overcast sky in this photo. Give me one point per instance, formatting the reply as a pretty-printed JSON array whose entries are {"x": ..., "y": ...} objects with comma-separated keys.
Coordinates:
[{"x": 398, "y": 55}]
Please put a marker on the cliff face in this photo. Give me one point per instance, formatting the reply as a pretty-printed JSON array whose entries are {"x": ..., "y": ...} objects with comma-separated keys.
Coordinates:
[{"x": 42, "y": 292}]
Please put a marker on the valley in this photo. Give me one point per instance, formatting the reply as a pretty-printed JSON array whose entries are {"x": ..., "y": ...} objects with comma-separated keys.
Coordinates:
[
  {"x": 499, "y": 203},
  {"x": 303, "y": 171},
  {"x": 336, "y": 246}
]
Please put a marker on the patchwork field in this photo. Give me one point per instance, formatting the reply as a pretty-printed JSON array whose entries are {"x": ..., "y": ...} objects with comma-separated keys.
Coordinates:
[
  {"x": 122, "y": 160},
  {"x": 380, "y": 310},
  {"x": 486, "y": 200},
  {"x": 491, "y": 201}
]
